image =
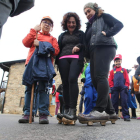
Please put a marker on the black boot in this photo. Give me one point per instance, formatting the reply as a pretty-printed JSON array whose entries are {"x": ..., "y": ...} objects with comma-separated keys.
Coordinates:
[
  {"x": 71, "y": 115},
  {"x": 60, "y": 116}
]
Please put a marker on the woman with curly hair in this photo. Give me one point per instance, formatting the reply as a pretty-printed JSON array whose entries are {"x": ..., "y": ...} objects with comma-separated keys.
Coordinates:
[
  {"x": 101, "y": 48},
  {"x": 70, "y": 62}
]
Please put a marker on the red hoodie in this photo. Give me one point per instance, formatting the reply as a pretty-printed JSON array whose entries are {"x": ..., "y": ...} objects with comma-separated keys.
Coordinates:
[{"x": 111, "y": 77}]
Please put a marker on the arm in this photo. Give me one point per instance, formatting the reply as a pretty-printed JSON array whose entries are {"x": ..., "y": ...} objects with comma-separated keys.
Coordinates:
[
  {"x": 127, "y": 83},
  {"x": 56, "y": 47},
  {"x": 29, "y": 39},
  {"x": 110, "y": 79},
  {"x": 83, "y": 73},
  {"x": 114, "y": 24},
  {"x": 80, "y": 46}
]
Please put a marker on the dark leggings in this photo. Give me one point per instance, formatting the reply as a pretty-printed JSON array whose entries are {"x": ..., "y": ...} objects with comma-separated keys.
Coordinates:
[
  {"x": 69, "y": 70},
  {"x": 100, "y": 59}
]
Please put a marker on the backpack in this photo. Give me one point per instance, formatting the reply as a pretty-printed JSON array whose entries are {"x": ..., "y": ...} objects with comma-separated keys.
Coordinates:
[{"x": 135, "y": 84}]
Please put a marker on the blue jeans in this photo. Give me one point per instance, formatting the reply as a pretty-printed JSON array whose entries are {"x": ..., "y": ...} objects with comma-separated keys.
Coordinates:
[{"x": 43, "y": 99}]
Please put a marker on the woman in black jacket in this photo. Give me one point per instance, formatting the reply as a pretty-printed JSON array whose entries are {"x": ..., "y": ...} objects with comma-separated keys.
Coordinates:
[
  {"x": 70, "y": 62},
  {"x": 101, "y": 49}
]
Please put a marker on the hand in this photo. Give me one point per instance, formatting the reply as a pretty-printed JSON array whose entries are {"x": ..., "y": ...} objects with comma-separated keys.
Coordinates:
[
  {"x": 103, "y": 33},
  {"x": 132, "y": 94},
  {"x": 75, "y": 49},
  {"x": 37, "y": 28},
  {"x": 36, "y": 42}
]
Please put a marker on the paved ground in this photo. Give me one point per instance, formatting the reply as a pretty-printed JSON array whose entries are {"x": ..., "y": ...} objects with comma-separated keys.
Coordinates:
[{"x": 10, "y": 129}]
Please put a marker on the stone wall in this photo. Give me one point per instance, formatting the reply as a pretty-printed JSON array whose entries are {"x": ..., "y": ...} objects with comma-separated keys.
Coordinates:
[{"x": 15, "y": 90}]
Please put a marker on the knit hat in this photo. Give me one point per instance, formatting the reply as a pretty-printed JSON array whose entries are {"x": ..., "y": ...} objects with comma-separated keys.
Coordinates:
[
  {"x": 91, "y": 5},
  {"x": 47, "y": 17}
]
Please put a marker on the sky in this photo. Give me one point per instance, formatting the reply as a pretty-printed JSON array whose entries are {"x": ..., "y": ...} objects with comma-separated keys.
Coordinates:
[{"x": 16, "y": 28}]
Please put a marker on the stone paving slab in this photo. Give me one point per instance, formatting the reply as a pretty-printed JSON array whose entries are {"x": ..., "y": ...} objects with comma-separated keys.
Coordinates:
[{"x": 10, "y": 129}]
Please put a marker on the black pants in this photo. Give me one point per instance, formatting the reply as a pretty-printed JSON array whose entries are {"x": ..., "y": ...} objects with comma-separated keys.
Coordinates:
[
  {"x": 138, "y": 98},
  {"x": 100, "y": 59},
  {"x": 5, "y": 10},
  {"x": 69, "y": 70}
]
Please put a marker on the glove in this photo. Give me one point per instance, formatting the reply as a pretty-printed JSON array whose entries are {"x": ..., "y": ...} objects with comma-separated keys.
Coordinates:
[{"x": 83, "y": 80}]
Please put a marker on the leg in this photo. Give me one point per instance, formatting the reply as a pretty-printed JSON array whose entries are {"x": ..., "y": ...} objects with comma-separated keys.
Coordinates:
[
  {"x": 115, "y": 100},
  {"x": 43, "y": 99},
  {"x": 25, "y": 118},
  {"x": 100, "y": 65},
  {"x": 64, "y": 67},
  {"x": 124, "y": 98},
  {"x": 74, "y": 73},
  {"x": 5, "y": 10},
  {"x": 57, "y": 107}
]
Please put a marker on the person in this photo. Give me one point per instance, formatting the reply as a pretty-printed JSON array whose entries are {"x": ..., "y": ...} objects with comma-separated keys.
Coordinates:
[
  {"x": 90, "y": 92},
  {"x": 60, "y": 115},
  {"x": 46, "y": 43},
  {"x": 119, "y": 83},
  {"x": 52, "y": 92},
  {"x": 13, "y": 8},
  {"x": 57, "y": 102},
  {"x": 131, "y": 99},
  {"x": 70, "y": 61},
  {"x": 135, "y": 82},
  {"x": 101, "y": 49}
]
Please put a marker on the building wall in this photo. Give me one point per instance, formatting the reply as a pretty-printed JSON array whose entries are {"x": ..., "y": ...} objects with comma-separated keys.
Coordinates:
[{"x": 15, "y": 90}]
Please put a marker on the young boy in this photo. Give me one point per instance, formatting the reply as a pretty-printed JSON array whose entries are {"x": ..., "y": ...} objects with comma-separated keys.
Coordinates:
[
  {"x": 42, "y": 48},
  {"x": 119, "y": 83}
]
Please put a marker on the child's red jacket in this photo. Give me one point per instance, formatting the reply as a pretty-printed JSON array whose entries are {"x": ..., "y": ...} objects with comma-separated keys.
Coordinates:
[{"x": 111, "y": 77}]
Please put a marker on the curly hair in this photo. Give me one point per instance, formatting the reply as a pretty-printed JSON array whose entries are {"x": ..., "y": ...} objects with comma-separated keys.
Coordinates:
[{"x": 66, "y": 17}]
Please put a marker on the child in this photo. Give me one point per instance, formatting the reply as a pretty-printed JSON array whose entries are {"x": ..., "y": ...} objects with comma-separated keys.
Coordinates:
[
  {"x": 39, "y": 68},
  {"x": 119, "y": 83},
  {"x": 90, "y": 92},
  {"x": 57, "y": 102},
  {"x": 135, "y": 82}
]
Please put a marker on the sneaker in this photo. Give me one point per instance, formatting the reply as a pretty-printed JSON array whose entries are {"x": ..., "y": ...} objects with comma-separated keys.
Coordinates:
[
  {"x": 94, "y": 115},
  {"x": 25, "y": 119},
  {"x": 43, "y": 119},
  {"x": 127, "y": 119}
]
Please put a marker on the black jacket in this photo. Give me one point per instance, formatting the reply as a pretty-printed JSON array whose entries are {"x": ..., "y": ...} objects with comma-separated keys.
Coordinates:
[
  {"x": 81, "y": 45},
  {"x": 20, "y": 6},
  {"x": 106, "y": 23},
  {"x": 137, "y": 73}
]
